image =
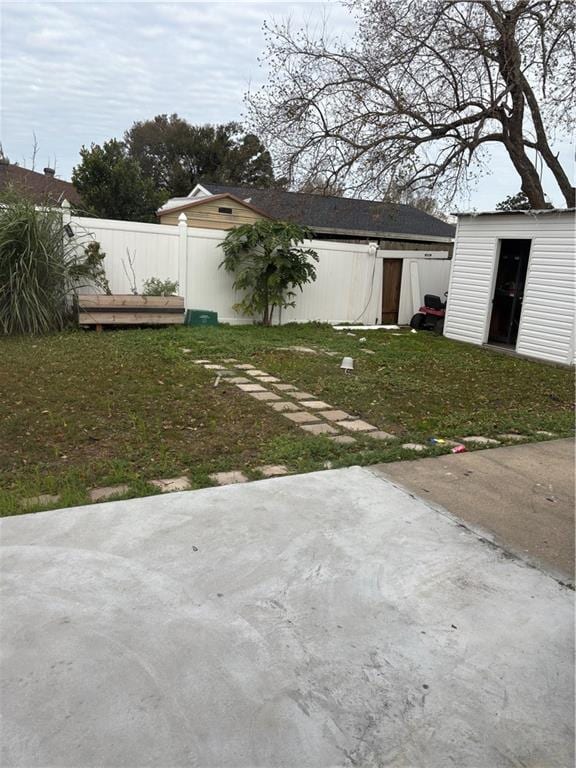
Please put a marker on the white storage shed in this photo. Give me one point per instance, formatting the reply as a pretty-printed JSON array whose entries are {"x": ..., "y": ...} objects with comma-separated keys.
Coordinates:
[{"x": 513, "y": 282}]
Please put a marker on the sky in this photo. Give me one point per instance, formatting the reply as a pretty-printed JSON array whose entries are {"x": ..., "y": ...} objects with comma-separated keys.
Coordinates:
[{"x": 73, "y": 73}]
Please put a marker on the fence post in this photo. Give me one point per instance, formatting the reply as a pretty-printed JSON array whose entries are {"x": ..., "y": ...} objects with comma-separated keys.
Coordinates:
[
  {"x": 183, "y": 257},
  {"x": 66, "y": 214}
]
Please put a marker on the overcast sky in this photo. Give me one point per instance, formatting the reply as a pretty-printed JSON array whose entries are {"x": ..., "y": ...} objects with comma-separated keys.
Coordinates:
[{"x": 81, "y": 72}]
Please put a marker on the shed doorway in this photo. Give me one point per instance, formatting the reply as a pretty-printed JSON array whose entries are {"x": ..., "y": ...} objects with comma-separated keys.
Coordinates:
[
  {"x": 509, "y": 291},
  {"x": 391, "y": 282}
]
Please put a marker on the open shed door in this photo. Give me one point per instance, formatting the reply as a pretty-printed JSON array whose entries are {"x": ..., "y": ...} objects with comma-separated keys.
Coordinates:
[{"x": 391, "y": 282}]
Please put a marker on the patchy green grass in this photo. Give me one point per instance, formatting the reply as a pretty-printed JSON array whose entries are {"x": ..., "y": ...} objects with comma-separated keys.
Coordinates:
[{"x": 80, "y": 409}]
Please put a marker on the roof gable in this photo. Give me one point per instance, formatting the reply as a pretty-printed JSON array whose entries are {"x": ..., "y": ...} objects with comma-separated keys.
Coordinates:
[{"x": 196, "y": 203}]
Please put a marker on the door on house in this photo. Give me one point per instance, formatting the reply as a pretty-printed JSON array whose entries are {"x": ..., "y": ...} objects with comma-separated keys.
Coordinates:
[
  {"x": 509, "y": 291},
  {"x": 391, "y": 280}
]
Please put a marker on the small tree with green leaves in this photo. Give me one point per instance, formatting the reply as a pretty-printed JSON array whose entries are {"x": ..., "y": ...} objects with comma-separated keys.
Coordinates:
[{"x": 269, "y": 264}]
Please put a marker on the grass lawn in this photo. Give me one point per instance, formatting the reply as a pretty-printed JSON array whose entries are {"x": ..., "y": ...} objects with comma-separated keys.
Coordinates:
[{"x": 81, "y": 409}]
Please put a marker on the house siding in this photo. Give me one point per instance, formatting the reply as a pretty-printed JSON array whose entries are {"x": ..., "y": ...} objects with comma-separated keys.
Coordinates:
[
  {"x": 206, "y": 215},
  {"x": 547, "y": 321}
]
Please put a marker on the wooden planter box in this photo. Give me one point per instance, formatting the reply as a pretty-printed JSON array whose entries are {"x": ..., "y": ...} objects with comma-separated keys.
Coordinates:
[{"x": 126, "y": 309}]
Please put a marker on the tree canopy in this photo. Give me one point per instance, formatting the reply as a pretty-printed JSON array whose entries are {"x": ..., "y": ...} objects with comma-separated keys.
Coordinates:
[
  {"x": 112, "y": 184},
  {"x": 177, "y": 155},
  {"x": 423, "y": 88}
]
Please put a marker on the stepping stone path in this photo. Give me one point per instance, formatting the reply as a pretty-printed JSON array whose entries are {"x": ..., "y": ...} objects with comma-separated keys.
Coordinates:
[
  {"x": 335, "y": 415},
  {"x": 251, "y": 387},
  {"x": 265, "y": 395},
  {"x": 172, "y": 484},
  {"x": 325, "y": 419},
  {"x": 43, "y": 498},
  {"x": 228, "y": 478},
  {"x": 273, "y": 470},
  {"x": 479, "y": 439},
  {"x": 319, "y": 429},
  {"x": 301, "y": 417},
  {"x": 101, "y": 494},
  {"x": 356, "y": 425}
]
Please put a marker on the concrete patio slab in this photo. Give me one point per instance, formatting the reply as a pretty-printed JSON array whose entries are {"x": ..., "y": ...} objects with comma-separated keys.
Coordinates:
[
  {"x": 335, "y": 415},
  {"x": 311, "y": 621},
  {"x": 315, "y": 405},
  {"x": 522, "y": 496}
]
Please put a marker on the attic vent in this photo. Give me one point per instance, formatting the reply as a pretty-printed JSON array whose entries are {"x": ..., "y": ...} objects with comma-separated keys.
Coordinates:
[{"x": 224, "y": 210}]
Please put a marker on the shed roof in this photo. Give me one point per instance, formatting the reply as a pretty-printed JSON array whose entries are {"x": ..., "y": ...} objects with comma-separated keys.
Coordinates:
[{"x": 532, "y": 212}]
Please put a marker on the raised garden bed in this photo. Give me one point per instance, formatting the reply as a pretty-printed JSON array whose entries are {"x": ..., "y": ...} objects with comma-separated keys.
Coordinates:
[{"x": 126, "y": 309}]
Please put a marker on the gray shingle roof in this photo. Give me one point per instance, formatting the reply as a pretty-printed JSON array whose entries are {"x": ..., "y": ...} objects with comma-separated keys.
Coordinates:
[{"x": 341, "y": 213}]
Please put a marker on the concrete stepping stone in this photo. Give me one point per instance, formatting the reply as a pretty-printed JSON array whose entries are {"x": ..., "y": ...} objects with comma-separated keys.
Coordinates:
[
  {"x": 343, "y": 439},
  {"x": 414, "y": 447},
  {"x": 380, "y": 435},
  {"x": 273, "y": 470},
  {"x": 200, "y": 362},
  {"x": 187, "y": 351},
  {"x": 284, "y": 387},
  {"x": 284, "y": 406},
  {"x": 301, "y": 417},
  {"x": 245, "y": 366},
  {"x": 319, "y": 429},
  {"x": 229, "y": 360},
  {"x": 356, "y": 425},
  {"x": 514, "y": 437},
  {"x": 480, "y": 439},
  {"x": 214, "y": 367},
  {"x": 268, "y": 379},
  {"x": 228, "y": 478},
  {"x": 545, "y": 433},
  {"x": 301, "y": 395},
  {"x": 334, "y": 415},
  {"x": 254, "y": 372},
  {"x": 172, "y": 484},
  {"x": 43, "y": 498},
  {"x": 316, "y": 405},
  {"x": 239, "y": 380},
  {"x": 101, "y": 494},
  {"x": 264, "y": 395},
  {"x": 251, "y": 387}
]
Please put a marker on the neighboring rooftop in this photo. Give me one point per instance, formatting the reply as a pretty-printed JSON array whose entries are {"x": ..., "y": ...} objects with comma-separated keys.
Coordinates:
[
  {"x": 334, "y": 214},
  {"x": 39, "y": 187}
]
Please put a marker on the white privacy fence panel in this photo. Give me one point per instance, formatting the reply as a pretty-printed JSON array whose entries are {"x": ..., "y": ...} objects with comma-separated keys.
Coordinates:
[
  {"x": 348, "y": 287},
  {"x": 152, "y": 249}
]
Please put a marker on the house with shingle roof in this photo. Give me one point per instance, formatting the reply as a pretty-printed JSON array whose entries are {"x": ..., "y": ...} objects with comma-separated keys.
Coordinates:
[
  {"x": 344, "y": 219},
  {"x": 40, "y": 188}
]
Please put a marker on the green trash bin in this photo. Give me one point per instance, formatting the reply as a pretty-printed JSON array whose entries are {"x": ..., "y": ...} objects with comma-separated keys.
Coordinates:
[{"x": 200, "y": 317}]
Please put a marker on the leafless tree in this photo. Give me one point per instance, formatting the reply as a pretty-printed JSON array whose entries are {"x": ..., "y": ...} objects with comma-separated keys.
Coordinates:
[{"x": 413, "y": 102}]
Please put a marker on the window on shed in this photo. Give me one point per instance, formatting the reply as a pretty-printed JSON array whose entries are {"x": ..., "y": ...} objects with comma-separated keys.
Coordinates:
[{"x": 224, "y": 210}]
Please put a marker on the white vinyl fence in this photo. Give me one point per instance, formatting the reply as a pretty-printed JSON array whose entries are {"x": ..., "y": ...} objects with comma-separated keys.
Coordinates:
[{"x": 348, "y": 287}]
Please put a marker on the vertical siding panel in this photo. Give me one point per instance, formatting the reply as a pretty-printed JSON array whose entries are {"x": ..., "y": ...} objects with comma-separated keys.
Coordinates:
[{"x": 547, "y": 323}]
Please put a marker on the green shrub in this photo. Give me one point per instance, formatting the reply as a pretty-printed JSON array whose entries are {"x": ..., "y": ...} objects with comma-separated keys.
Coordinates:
[{"x": 156, "y": 287}]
